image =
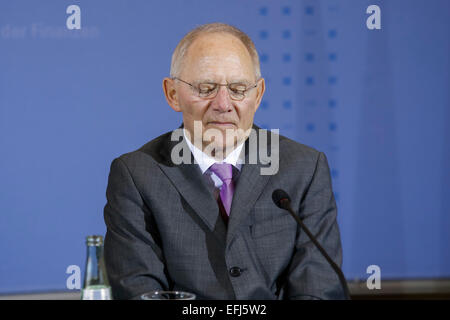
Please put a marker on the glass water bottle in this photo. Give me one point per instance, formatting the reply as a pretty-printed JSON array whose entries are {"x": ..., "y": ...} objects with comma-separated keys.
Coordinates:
[{"x": 96, "y": 285}]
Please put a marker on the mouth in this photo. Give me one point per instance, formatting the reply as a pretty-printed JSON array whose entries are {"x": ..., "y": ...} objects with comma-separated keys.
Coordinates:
[{"x": 222, "y": 123}]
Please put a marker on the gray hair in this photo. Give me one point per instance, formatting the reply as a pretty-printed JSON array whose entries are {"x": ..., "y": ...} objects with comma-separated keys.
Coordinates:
[{"x": 183, "y": 46}]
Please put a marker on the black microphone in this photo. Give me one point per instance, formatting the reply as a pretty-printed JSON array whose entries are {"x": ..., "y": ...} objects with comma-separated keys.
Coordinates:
[{"x": 282, "y": 200}]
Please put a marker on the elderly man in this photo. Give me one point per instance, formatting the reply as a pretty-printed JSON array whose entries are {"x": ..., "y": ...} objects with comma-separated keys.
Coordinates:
[{"x": 207, "y": 224}]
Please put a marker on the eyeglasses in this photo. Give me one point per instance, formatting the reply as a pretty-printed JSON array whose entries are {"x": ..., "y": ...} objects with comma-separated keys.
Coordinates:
[{"x": 208, "y": 90}]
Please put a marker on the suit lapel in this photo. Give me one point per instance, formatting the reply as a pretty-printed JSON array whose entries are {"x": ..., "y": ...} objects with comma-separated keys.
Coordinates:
[
  {"x": 248, "y": 188},
  {"x": 188, "y": 180}
]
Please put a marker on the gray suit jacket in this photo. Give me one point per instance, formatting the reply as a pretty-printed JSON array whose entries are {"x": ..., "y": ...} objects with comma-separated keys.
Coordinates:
[{"x": 164, "y": 230}]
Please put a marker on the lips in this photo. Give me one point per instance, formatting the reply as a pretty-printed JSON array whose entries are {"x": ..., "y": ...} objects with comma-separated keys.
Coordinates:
[{"x": 221, "y": 123}]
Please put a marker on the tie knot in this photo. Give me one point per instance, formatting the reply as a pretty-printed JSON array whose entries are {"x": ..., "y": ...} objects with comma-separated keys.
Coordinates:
[{"x": 223, "y": 170}]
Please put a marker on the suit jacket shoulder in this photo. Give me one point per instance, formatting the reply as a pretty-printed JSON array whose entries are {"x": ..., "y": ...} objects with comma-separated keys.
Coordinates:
[
  {"x": 152, "y": 152},
  {"x": 297, "y": 148}
]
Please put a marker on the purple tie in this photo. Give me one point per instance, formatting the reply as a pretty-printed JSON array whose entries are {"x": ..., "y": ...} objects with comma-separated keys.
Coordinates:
[{"x": 225, "y": 173}]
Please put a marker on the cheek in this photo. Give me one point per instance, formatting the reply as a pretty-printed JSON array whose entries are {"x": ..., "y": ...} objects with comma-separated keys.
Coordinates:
[
  {"x": 246, "y": 112},
  {"x": 200, "y": 108},
  {"x": 192, "y": 107}
]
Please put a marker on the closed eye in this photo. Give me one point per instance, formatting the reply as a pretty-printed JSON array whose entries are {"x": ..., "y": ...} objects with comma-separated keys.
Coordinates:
[
  {"x": 206, "y": 87},
  {"x": 238, "y": 87}
]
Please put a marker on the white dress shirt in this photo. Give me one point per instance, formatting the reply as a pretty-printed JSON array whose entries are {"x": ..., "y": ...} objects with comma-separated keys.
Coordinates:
[{"x": 204, "y": 161}]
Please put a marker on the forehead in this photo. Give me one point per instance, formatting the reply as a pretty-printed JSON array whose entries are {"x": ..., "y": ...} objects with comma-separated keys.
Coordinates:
[{"x": 218, "y": 55}]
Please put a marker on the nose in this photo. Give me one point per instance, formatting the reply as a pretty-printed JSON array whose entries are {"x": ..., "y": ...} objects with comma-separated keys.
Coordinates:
[{"x": 222, "y": 101}]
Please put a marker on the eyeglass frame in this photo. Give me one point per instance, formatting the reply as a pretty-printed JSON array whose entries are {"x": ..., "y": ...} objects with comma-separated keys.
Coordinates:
[{"x": 219, "y": 85}]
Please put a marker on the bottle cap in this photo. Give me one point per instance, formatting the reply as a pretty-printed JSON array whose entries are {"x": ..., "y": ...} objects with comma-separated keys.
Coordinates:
[{"x": 94, "y": 240}]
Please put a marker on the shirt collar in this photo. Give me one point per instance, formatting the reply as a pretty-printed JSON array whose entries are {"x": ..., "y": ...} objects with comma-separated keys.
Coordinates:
[{"x": 204, "y": 161}]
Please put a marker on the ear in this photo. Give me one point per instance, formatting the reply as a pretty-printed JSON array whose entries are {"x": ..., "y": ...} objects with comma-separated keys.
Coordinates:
[
  {"x": 261, "y": 88},
  {"x": 171, "y": 94}
]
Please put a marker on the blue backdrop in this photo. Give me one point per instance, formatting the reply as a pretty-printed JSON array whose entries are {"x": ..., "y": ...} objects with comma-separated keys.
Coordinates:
[{"x": 375, "y": 101}]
